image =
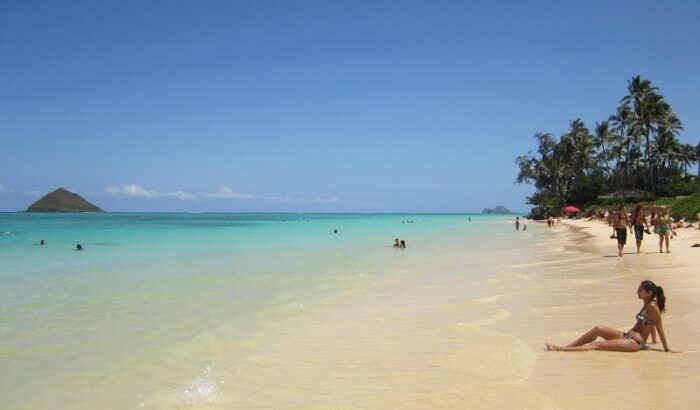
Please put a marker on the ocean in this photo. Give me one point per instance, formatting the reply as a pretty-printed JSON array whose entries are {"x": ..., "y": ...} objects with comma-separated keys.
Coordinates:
[{"x": 170, "y": 310}]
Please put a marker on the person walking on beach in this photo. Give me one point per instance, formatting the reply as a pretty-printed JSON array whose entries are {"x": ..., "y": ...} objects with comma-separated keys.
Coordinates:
[
  {"x": 622, "y": 222},
  {"x": 639, "y": 220},
  {"x": 648, "y": 319},
  {"x": 517, "y": 223},
  {"x": 664, "y": 223}
]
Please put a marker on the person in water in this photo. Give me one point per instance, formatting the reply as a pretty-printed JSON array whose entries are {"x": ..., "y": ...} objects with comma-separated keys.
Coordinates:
[
  {"x": 397, "y": 244},
  {"x": 403, "y": 244},
  {"x": 78, "y": 247},
  {"x": 42, "y": 242},
  {"x": 648, "y": 319}
]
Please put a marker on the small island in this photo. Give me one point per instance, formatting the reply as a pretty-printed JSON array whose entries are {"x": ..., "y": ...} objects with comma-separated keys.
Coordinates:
[
  {"x": 62, "y": 200},
  {"x": 500, "y": 209}
]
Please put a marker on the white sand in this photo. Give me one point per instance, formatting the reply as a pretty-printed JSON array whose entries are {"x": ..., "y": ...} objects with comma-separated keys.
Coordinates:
[{"x": 418, "y": 343}]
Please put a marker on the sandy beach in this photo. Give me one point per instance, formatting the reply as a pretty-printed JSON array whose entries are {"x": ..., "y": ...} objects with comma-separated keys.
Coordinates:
[
  {"x": 417, "y": 343},
  {"x": 457, "y": 320}
]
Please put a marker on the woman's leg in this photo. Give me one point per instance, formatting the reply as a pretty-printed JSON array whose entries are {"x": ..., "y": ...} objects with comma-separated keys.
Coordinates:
[
  {"x": 582, "y": 343},
  {"x": 605, "y": 332},
  {"x": 661, "y": 242},
  {"x": 667, "y": 237},
  {"x": 614, "y": 345}
]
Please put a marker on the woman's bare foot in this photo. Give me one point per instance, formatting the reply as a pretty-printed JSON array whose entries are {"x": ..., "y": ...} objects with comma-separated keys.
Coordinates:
[{"x": 551, "y": 347}]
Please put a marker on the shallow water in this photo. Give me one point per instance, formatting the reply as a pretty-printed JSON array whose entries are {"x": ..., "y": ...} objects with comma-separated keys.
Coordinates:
[{"x": 164, "y": 310}]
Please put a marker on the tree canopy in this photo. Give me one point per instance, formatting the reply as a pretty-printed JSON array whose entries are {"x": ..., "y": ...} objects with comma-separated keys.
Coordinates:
[{"x": 636, "y": 148}]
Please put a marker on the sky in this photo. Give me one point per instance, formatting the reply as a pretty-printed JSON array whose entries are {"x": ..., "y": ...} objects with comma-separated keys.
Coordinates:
[{"x": 317, "y": 106}]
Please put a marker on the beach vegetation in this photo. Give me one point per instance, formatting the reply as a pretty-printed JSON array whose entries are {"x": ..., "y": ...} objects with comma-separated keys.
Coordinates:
[{"x": 636, "y": 149}]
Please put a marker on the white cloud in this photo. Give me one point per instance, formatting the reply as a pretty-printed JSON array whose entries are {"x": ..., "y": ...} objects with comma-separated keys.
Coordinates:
[
  {"x": 182, "y": 195},
  {"x": 132, "y": 190},
  {"x": 4, "y": 190},
  {"x": 228, "y": 193},
  {"x": 329, "y": 199}
]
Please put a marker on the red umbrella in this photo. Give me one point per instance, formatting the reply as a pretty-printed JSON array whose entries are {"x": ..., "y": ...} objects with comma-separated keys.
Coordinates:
[{"x": 571, "y": 209}]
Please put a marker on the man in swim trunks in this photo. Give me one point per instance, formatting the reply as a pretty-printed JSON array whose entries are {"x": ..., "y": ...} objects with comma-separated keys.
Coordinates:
[
  {"x": 639, "y": 220},
  {"x": 622, "y": 222}
]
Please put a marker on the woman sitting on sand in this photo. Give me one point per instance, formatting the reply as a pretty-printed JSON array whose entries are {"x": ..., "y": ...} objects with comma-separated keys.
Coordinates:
[{"x": 633, "y": 340}]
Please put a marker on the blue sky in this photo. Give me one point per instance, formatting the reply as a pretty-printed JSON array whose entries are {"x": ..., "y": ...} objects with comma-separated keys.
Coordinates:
[{"x": 316, "y": 105}]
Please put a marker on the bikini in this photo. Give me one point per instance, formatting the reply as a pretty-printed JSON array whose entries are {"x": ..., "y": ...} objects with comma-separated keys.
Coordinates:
[{"x": 643, "y": 320}]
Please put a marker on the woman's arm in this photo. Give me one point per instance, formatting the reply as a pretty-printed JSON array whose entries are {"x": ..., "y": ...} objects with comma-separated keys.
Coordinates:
[{"x": 655, "y": 314}]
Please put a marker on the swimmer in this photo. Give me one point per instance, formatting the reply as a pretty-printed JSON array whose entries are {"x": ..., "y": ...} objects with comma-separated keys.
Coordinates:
[
  {"x": 403, "y": 244},
  {"x": 78, "y": 247},
  {"x": 335, "y": 231},
  {"x": 648, "y": 320},
  {"x": 397, "y": 244},
  {"x": 42, "y": 242}
]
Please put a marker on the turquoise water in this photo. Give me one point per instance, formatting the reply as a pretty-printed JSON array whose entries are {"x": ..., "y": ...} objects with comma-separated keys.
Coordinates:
[{"x": 156, "y": 301}]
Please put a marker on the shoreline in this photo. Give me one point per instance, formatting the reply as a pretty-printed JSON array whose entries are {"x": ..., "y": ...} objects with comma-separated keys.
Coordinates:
[
  {"x": 646, "y": 379},
  {"x": 416, "y": 343},
  {"x": 459, "y": 319}
]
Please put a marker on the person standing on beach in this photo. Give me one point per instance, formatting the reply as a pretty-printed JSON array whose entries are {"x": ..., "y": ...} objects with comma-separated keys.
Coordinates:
[
  {"x": 622, "y": 222},
  {"x": 664, "y": 224},
  {"x": 648, "y": 319},
  {"x": 639, "y": 220},
  {"x": 517, "y": 223}
]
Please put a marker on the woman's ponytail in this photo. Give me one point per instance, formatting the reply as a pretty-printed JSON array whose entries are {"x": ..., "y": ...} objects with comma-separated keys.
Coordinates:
[{"x": 660, "y": 298}]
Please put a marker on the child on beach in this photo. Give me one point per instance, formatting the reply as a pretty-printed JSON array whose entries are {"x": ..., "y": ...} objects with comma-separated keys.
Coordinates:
[{"x": 648, "y": 319}]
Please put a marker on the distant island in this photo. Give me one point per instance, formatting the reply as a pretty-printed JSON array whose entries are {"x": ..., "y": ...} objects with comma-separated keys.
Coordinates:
[
  {"x": 62, "y": 200},
  {"x": 500, "y": 209}
]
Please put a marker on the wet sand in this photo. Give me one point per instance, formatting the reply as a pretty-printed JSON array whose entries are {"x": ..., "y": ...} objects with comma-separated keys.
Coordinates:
[
  {"x": 601, "y": 291},
  {"x": 416, "y": 342}
]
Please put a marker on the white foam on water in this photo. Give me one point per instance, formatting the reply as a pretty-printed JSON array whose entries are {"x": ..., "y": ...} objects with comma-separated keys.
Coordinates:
[
  {"x": 500, "y": 315},
  {"x": 205, "y": 389}
]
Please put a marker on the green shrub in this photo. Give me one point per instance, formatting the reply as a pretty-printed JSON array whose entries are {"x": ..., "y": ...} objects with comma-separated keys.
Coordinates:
[
  {"x": 592, "y": 210},
  {"x": 687, "y": 208}
]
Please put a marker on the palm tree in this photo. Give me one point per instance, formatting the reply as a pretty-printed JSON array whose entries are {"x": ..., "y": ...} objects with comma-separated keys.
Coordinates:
[
  {"x": 649, "y": 109},
  {"x": 602, "y": 136},
  {"x": 687, "y": 157},
  {"x": 620, "y": 121},
  {"x": 580, "y": 145}
]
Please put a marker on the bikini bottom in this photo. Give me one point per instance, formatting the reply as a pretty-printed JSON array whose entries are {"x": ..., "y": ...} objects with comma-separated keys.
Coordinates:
[{"x": 627, "y": 336}]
